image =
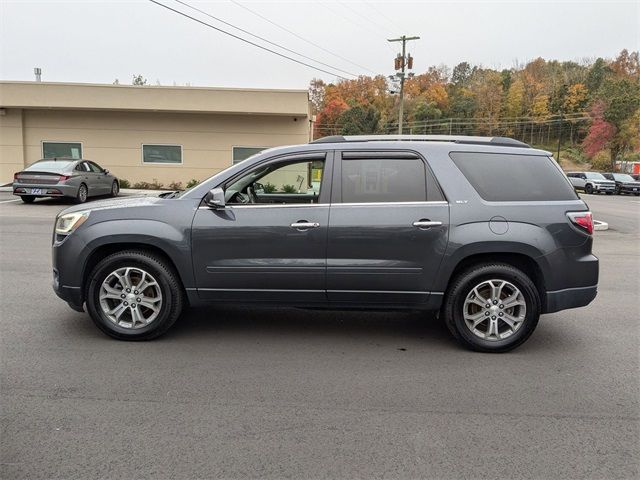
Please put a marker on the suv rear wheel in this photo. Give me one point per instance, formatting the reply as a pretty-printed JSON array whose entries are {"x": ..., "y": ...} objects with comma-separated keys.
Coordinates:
[
  {"x": 492, "y": 307},
  {"x": 134, "y": 295}
]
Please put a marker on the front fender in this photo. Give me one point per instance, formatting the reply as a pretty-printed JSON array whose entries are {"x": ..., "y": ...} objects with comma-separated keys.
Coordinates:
[{"x": 74, "y": 253}]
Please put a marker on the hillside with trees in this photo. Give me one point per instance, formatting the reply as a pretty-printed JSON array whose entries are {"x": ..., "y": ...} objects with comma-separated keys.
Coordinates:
[{"x": 590, "y": 109}]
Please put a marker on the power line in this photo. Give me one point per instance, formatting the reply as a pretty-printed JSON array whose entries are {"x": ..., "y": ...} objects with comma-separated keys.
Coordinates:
[
  {"x": 247, "y": 41},
  {"x": 361, "y": 15},
  {"x": 264, "y": 39},
  {"x": 300, "y": 37},
  {"x": 350, "y": 20},
  {"x": 383, "y": 15}
]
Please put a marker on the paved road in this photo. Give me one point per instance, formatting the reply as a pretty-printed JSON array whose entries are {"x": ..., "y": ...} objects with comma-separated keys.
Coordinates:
[{"x": 293, "y": 394}]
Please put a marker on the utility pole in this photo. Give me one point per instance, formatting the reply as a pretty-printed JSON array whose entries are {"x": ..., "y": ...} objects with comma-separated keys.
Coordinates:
[{"x": 402, "y": 62}]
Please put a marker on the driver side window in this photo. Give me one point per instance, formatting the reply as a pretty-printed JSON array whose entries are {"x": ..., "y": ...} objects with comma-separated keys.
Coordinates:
[{"x": 287, "y": 182}]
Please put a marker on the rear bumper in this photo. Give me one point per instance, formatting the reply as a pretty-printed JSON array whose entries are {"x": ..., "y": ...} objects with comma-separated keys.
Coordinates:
[
  {"x": 569, "y": 298},
  {"x": 55, "y": 190}
]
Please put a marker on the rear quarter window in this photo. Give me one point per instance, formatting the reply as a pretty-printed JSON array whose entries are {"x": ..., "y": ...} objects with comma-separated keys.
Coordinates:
[{"x": 499, "y": 177}]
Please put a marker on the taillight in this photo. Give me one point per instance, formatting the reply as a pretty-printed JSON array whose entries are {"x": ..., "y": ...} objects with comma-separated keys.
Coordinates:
[
  {"x": 64, "y": 178},
  {"x": 584, "y": 220}
]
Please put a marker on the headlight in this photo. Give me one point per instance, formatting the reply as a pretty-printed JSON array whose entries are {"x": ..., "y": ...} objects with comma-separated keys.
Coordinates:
[{"x": 67, "y": 223}]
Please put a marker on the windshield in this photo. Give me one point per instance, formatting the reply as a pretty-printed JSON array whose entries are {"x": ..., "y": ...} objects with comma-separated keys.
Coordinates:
[
  {"x": 623, "y": 177},
  {"x": 57, "y": 166},
  {"x": 595, "y": 176}
]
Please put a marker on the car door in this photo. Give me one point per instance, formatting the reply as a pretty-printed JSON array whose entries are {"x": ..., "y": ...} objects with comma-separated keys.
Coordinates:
[
  {"x": 101, "y": 179},
  {"x": 254, "y": 249},
  {"x": 83, "y": 172},
  {"x": 388, "y": 229}
]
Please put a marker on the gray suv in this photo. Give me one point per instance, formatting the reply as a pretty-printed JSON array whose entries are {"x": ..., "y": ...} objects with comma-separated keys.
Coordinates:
[{"x": 487, "y": 232}]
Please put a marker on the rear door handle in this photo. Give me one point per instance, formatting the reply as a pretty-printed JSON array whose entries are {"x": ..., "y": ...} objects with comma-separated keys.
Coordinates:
[
  {"x": 426, "y": 224},
  {"x": 304, "y": 225}
]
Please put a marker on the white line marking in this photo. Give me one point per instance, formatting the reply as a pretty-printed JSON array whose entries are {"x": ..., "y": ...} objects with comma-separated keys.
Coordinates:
[{"x": 7, "y": 201}]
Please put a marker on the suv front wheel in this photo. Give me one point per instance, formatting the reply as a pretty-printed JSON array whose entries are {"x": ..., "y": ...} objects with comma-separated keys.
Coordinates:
[
  {"x": 134, "y": 295},
  {"x": 492, "y": 307}
]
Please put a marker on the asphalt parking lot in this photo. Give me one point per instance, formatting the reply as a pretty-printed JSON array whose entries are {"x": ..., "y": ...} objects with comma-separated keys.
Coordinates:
[{"x": 235, "y": 392}]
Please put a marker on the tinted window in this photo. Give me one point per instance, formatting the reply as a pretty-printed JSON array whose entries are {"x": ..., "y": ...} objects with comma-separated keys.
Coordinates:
[
  {"x": 82, "y": 167},
  {"x": 383, "y": 180},
  {"x": 162, "y": 154},
  {"x": 623, "y": 177},
  {"x": 503, "y": 177},
  {"x": 94, "y": 167},
  {"x": 50, "y": 166},
  {"x": 242, "y": 153},
  {"x": 61, "y": 149}
]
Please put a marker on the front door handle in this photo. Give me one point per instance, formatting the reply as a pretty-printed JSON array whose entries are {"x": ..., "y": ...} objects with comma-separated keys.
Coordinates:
[
  {"x": 426, "y": 223},
  {"x": 304, "y": 225}
]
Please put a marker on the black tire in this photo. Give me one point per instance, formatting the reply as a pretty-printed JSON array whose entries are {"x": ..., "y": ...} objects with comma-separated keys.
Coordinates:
[
  {"x": 609, "y": 193},
  {"x": 618, "y": 191},
  {"x": 462, "y": 285},
  {"x": 83, "y": 193},
  {"x": 27, "y": 198},
  {"x": 588, "y": 188},
  {"x": 115, "y": 188},
  {"x": 168, "y": 282},
  {"x": 636, "y": 194}
]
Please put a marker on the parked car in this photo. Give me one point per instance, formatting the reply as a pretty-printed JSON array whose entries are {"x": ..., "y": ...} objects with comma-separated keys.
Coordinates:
[
  {"x": 64, "y": 177},
  {"x": 591, "y": 182},
  {"x": 486, "y": 231},
  {"x": 625, "y": 183}
]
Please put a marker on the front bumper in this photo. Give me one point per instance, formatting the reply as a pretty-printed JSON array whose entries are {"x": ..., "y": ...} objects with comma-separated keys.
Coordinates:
[
  {"x": 604, "y": 188},
  {"x": 569, "y": 298},
  {"x": 630, "y": 189},
  {"x": 54, "y": 190},
  {"x": 71, "y": 295}
]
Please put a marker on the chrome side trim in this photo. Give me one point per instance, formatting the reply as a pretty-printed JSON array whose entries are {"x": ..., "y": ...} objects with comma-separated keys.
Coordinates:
[
  {"x": 269, "y": 205},
  {"x": 379, "y": 291},
  {"x": 302, "y": 205},
  {"x": 379, "y": 204},
  {"x": 258, "y": 290}
]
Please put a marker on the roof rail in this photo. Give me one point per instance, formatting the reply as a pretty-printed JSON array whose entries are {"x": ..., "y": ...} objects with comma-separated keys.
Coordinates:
[{"x": 461, "y": 139}]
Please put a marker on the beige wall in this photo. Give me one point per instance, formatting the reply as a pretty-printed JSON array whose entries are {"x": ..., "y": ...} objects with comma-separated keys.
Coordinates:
[
  {"x": 11, "y": 144},
  {"x": 114, "y": 139}
]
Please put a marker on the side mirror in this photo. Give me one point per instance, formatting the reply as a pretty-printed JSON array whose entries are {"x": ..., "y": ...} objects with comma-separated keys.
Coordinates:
[
  {"x": 215, "y": 198},
  {"x": 105, "y": 171}
]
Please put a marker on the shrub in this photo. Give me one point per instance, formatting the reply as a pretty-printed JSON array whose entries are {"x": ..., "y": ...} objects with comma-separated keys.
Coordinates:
[
  {"x": 289, "y": 189},
  {"x": 601, "y": 161},
  {"x": 124, "y": 183},
  {"x": 156, "y": 185},
  {"x": 142, "y": 185},
  {"x": 192, "y": 183},
  {"x": 175, "y": 186},
  {"x": 269, "y": 187}
]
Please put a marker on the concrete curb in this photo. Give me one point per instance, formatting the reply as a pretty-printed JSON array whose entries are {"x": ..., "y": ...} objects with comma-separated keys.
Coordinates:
[
  {"x": 600, "y": 226},
  {"x": 124, "y": 191}
]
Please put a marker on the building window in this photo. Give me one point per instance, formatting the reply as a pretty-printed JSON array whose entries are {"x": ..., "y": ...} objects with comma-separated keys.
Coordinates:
[
  {"x": 162, "y": 154},
  {"x": 61, "y": 149},
  {"x": 242, "y": 153}
]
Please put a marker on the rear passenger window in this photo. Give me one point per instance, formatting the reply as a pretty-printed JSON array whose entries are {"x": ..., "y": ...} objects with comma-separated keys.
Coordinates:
[
  {"x": 501, "y": 177},
  {"x": 383, "y": 180}
]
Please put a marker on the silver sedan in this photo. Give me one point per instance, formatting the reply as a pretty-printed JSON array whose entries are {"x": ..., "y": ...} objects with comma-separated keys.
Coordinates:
[{"x": 64, "y": 177}]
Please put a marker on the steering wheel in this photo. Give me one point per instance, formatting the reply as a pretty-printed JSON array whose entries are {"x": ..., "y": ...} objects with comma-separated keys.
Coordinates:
[{"x": 240, "y": 197}]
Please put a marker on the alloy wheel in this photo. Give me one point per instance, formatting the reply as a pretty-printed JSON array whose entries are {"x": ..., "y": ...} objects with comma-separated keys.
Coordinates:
[
  {"x": 494, "y": 310},
  {"x": 130, "y": 297}
]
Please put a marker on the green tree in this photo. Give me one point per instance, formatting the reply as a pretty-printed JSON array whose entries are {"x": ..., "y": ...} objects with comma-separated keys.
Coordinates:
[
  {"x": 359, "y": 120},
  {"x": 138, "y": 80}
]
